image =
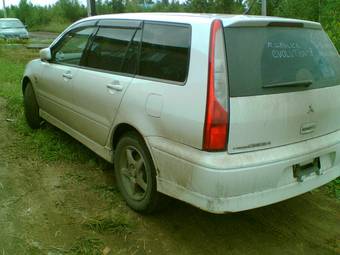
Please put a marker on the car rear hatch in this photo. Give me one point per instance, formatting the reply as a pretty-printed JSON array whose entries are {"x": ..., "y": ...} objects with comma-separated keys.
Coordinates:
[{"x": 284, "y": 79}]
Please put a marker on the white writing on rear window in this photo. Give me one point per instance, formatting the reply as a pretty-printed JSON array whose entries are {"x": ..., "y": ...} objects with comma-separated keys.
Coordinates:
[{"x": 289, "y": 50}]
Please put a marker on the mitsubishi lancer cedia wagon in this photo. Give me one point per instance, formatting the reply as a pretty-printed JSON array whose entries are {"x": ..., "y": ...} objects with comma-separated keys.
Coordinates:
[{"x": 226, "y": 113}]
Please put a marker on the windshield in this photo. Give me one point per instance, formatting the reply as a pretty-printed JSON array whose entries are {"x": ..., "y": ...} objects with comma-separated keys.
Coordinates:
[
  {"x": 11, "y": 24},
  {"x": 269, "y": 60}
]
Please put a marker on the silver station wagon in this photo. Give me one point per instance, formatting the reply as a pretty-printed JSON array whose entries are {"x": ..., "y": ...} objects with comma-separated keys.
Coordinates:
[{"x": 227, "y": 113}]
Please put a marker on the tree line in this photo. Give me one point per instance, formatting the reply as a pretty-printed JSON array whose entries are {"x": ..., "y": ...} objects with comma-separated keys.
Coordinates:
[{"x": 64, "y": 12}]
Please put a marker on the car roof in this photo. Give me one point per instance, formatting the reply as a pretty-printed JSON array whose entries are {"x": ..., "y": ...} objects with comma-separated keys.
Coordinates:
[
  {"x": 196, "y": 18},
  {"x": 8, "y": 19},
  {"x": 169, "y": 16}
]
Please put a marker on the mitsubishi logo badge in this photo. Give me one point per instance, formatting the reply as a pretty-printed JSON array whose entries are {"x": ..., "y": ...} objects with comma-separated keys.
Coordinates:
[{"x": 310, "y": 109}]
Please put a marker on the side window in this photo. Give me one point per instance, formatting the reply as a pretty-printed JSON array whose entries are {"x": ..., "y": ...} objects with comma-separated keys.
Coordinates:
[
  {"x": 109, "y": 48},
  {"x": 131, "y": 58},
  {"x": 165, "y": 51},
  {"x": 70, "y": 50}
]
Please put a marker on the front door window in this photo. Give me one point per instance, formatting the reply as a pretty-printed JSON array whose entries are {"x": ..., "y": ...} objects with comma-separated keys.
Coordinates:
[{"x": 70, "y": 50}]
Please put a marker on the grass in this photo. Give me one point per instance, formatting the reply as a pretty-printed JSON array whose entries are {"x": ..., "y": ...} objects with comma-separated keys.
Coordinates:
[
  {"x": 82, "y": 246},
  {"x": 334, "y": 188},
  {"x": 13, "y": 41},
  {"x": 107, "y": 192},
  {"x": 115, "y": 224},
  {"x": 86, "y": 246}
]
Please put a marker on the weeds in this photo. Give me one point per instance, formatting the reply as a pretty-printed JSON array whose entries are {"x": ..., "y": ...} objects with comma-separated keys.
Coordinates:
[
  {"x": 106, "y": 191},
  {"x": 334, "y": 188},
  {"x": 86, "y": 246},
  {"x": 13, "y": 41},
  {"x": 115, "y": 224}
]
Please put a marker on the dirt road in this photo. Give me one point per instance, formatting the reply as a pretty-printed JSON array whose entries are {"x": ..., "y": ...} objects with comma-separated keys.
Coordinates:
[
  {"x": 40, "y": 40},
  {"x": 43, "y": 35},
  {"x": 72, "y": 208}
]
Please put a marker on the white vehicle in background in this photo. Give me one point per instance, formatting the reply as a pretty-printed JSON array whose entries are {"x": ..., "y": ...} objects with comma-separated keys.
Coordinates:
[
  {"x": 227, "y": 113},
  {"x": 12, "y": 29}
]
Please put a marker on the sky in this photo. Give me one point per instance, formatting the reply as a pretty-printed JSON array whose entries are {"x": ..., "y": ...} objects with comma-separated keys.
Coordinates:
[
  {"x": 39, "y": 2},
  {"x": 36, "y": 2}
]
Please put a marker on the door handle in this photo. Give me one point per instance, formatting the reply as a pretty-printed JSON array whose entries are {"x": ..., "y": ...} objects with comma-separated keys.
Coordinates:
[
  {"x": 116, "y": 87},
  {"x": 67, "y": 75}
]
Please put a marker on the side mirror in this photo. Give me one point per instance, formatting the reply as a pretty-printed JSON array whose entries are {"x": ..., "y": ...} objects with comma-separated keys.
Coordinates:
[{"x": 45, "y": 54}]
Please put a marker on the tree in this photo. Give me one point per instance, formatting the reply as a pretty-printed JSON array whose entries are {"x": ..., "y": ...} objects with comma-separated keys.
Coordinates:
[
  {"x": 117, "y": 6},
  {"x": 302, "y": 9},
  {"x": 223, "y": 6},
  {"x": 69, "y": 9},
  {"x": 329, "y": 18},
  {"x": 199, "y": 6},
  {"x": 23, "y": 11}
]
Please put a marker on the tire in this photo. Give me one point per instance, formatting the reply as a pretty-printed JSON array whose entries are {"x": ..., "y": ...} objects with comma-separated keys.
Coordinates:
[
  {"x": 135, "y": 174},
  {"x": 31, "y": 107}
]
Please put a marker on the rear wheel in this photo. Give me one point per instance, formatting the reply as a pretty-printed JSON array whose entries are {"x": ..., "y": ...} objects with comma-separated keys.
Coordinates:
[
  {"x": 31, "y": 107},
  {"x": 135, "y": 174}
]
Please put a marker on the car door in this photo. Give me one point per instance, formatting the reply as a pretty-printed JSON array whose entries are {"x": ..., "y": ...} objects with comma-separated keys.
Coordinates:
[
  {"x": 56, "y": 82},
  {"x": 108, "y": 69}
]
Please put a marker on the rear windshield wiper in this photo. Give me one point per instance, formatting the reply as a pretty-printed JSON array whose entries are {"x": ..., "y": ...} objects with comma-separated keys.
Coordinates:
[{"x": 304, "y": 83}]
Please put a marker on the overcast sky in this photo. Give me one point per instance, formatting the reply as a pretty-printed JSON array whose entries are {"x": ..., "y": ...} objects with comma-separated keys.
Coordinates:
[{"x": 40, "y": 2}]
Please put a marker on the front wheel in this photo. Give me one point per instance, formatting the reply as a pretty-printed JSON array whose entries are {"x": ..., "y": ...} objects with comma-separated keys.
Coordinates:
[
  {"x": 31, "y": 107},
  {"x": 135, "y": 174}
]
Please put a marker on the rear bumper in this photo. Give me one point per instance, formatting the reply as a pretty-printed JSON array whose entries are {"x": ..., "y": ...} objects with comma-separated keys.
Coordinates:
[
  {"x": 14, "y": 36},
  {"x": 219, "y": 182}
]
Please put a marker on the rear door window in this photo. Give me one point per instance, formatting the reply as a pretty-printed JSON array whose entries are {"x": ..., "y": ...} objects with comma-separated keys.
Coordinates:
[
  {"x": 273, "y": 60},
  {"x": 109, "y": 48},
  {"x": 165, "y": 51},
  {"x": 131, "y": 58}
]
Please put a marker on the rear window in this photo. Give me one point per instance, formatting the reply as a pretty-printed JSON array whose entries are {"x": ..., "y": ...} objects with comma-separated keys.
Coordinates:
[
  {"x": 165, "y": 51},
  {"x": 10, "y": 24},
  {"x": 273, "y": 60}
]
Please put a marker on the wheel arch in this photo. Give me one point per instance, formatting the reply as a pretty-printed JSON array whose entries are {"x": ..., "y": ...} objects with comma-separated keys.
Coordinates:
[
  {"x": 24, "y": 83},
  {"x": 122, "y": 129}
]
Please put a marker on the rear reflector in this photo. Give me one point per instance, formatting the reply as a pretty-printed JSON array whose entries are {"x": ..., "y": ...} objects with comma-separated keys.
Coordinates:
[{"x": 216, "y": 117}]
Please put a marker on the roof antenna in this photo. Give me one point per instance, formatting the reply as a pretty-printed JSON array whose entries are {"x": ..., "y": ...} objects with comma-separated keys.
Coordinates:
[{"x": 246, "y": 12}]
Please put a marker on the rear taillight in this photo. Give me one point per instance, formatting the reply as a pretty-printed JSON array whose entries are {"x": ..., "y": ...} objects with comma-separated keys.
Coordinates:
[{"x": 216, "y": 117}]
